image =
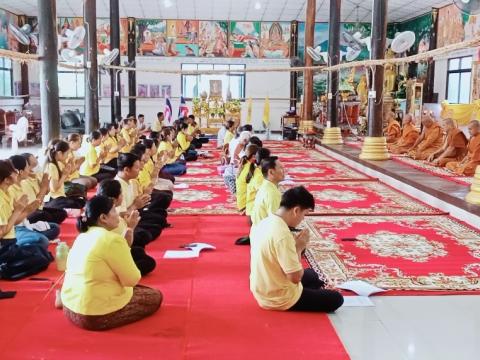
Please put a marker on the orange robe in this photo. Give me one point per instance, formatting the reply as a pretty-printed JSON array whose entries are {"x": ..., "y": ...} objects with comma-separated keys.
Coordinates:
[
  {"x": 432, "y": 142},
  {"x": 409, "y": 136},
  {"x": 468, "y": 165},
  {"x": 393, "y": 131},
  {"x": 457, "y": 139}
]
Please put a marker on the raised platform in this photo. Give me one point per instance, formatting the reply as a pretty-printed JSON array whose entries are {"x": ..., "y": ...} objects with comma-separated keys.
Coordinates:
[{"x": 438, "y": 192}]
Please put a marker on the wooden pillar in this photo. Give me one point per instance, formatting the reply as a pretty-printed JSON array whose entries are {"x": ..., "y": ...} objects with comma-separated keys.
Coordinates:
[
  {"x": 430, "y": 81},
  {"x": 22, "y": 20},
  {"x": 308, "y": 74},
  {"x": 333, "y": 134},
  {"x": 115, "y": 74},
  {"x": 293, "y": 53},
  {"x": 132, "y": 75},
  {"x": 375, "y": 146},
  {"x": 47, "y": 50},
  {"x": 91, "y": 67}
]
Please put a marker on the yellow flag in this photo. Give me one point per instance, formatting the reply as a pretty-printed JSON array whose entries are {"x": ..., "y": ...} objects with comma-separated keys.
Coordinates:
[
  {"x": 266, "y": 113},
  {"x": 249, "y": 110}
]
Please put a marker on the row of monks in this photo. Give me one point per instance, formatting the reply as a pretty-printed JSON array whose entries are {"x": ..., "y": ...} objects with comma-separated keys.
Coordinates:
[{"x": 442, "y": 145}]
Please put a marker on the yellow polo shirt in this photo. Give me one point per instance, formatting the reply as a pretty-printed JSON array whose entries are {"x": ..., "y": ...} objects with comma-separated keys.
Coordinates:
[
  {"x": 273, "y": 255},
  {"x": 252, "y": 189},
  {"x": 228, "y": 137},
  {"x": 111, "y": 142},
  {"x": 266, "y": 202},
  {"x": 71, "y": 158},
  {"x": 183, "y": 144},
  {"x": 100, "y": 273},
  {"x": 90, "y": 166},
  {"x": 121, "y": 228},
  {"x": 127, "y": 195},
  {"x": 241, "y": 185},
  {"x": 156, "y": 125},
  {"x": 125, "y": 134},
  {"x": 191, "y": 129},
  {"x": 53, "y": 174},
  {"x": 30, "y": 188},
  {"x": 144, "y": 178},
  {"x": 167, "y": 146},
  {"x": 6, "y": 211}
]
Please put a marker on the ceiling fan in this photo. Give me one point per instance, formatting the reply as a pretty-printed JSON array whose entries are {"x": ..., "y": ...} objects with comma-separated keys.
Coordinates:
[{"x": 403, "y": 42}]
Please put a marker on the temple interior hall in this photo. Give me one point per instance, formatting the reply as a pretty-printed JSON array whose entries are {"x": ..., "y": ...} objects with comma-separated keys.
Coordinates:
[{"x": 220, "y": 179}]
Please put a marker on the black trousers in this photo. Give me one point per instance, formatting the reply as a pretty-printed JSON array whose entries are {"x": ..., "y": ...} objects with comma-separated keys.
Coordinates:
[
  {"x": 144, "y": 262},
  {"x": 63, "y": 202},
  {"x": 113, "y": 163},
  {"x": 105, "y": 173},
  {"x": 314, "y": 298},
  {"x": 141, "y": 237},
  {"x": 56, "y": 216}
]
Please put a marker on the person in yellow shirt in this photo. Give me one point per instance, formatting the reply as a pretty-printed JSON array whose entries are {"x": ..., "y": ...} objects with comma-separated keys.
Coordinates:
[
  {"x": 58, "y": 172},
  {"x": 230, "y": 133},
  {"x": 277, "y": 278},
  {"x": 184, "y": 144},
  {"x": 195, "y": 132},
  {"x": 113, "y": 144},
  {"x": 172, "y": 165},
  {"x": 100, "y": 290},
  {"x": 91, "y": 166},
  {"x": 268, "y": 196},
  {"x": 88, "y": 182},
  {"x": 245, "y": 173},
  {"x": 157, "y": 125},
  {"x": 125, "y": 134}
]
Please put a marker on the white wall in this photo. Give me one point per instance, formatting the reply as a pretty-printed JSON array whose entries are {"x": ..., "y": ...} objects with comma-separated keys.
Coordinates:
[{"x": 257, "y": 85}]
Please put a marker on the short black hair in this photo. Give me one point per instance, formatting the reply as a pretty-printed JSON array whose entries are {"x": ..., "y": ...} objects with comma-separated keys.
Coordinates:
[
  {"x": 248, "y": 127},
  {"x": 126, "y": 160},
  {"x": 103, "y": 131},
  {"x": 269, "y": 163},
  {"x": 183, "y": 126},
  {"x": 141, "y": 115},
  {"x": 148, "y": 143},
  {"x": 256, "y": 141},
  {"x": 297, "y": 196},
  {"x": 110, "y": 188},
  {"x": 19, "y": 162},
  {"x": 138, "y": 149},
  {"x": 262, "y": 153},
  {"x": 191, "y": 116},
  {"x": 159, "y": 114}
]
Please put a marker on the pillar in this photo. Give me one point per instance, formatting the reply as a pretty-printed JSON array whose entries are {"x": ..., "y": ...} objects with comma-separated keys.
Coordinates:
[
  {"x": 132, "y": 75},
  {"x": 375, "y": 144},
  {"x": 115, "y": 74},
  {"x": 293, "y": 53},
  {"x": 92, "y": 121},
  {"x": 22, "y": 20},
  {"x": 333, "y": 134},
  {"x": 308, "y": 74},
  {"x": 47, "y": 50}
]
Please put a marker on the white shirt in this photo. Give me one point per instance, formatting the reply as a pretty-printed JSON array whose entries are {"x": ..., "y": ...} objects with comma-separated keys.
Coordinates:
[{"x": 220, "y": 136}]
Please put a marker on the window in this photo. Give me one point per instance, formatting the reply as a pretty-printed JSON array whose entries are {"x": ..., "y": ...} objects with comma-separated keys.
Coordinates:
[
  {"x": 194, "y": 85},
  {"x": 6, "y": 77},
  {"x": 459, "y": 77},
  {"x": 71, "y": 83}
]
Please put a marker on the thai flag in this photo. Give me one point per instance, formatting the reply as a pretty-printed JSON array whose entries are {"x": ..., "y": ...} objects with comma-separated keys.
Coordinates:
[
  {"x": 168, "y": 111},
  {"x": 183, "y": 108}
]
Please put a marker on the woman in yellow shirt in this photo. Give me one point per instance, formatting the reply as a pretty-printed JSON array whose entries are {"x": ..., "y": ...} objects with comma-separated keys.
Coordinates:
[
  {"x": 100, "y": 290},
  {"x": 58, "y": 172},
  {"x": 113, "y": 144},
  {"x": 184, "y": 144},
  {"x": 125, "y": 134},
  {"x": 172, "y": 166},
  {"x": 245, "y": 173},
  {"x": 75, "y": 143},
  {"x": 91, "y": 166}
]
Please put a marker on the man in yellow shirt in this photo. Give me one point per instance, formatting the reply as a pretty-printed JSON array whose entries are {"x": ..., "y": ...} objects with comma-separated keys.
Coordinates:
[
  {"x": 184, "y": 144},
  {"x": 268, "y": 196},
  {"x": 157, "y": 125},
  {"x": 277, "y": 278}
]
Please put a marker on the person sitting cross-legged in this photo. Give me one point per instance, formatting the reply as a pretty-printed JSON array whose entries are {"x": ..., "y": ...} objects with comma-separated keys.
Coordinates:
[{"x": 277, "y": 278}]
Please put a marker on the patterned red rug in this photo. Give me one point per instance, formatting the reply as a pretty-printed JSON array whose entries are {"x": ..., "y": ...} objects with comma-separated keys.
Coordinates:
[
  {"x": 282, "y": 145},
  {"x": 322, "y": 171},
  {"x": 416, "y": 253},
  {"x": 202, "y": 198},
  {"x": 301, "y": 155},
  {"x": 200, "y": 171},
  {"x": 363, "y": 198}
]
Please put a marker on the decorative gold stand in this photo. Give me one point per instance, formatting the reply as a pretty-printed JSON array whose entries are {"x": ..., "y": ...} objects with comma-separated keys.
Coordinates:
[
  {"x": 473, "y": 197},
  {"x": 374, "y": 148},
  {"x": 332, "y": 136}
]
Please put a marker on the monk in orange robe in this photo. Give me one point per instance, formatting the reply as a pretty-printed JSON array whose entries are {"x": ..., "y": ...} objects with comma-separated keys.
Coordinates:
[
  {"x": 393, "y": 131},
  {"x": 470, "y": 162},
  {"x": 409, "y": 136},
  {"x": 429, "y": 141},
  {"x": 454, "y": 147}
]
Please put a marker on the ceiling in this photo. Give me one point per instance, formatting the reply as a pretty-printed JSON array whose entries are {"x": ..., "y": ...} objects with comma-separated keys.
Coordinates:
[{"x": 259, "y": 10}]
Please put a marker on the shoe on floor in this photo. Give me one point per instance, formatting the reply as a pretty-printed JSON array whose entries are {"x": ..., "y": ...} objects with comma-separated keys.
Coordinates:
[{"x": 243, "y": 241}]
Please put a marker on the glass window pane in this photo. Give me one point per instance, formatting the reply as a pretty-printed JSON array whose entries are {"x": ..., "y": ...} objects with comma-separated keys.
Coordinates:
[
  {"x": 453, "y": 83},
  {"x": 67, "y": 84},
  {"x": 465, "y": 82},
  {"x": 7, "y": 63},
  {"x": 189, "y": 66},
  {"x": 80, "y": 85},
  {"x": 190, "y": 86},
  {"x": 466, "y": 62},
  {"x": 220, "y": 67},
  {"x": 1, "y": 62},
  {"x": 237, "y": 67},
  {"x": 7, "y": 91},
  {"x": 454, "y": 64},
  {"x": 205, "y": 66}
]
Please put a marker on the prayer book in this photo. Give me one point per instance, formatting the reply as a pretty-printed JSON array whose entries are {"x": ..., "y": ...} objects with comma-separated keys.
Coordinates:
[
  {"x": 193, "y": 251},
  {"x": 360, "y": 287}
]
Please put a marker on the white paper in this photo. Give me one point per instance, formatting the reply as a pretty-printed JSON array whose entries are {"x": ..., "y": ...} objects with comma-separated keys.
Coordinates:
[
  {"x": 197, "y": 247},
  {"x": 357, "y": 301},
  {"x": 180, "y": 186},
  {"x": 180, "y": 254},
  {"x": 360, "y": 287}
]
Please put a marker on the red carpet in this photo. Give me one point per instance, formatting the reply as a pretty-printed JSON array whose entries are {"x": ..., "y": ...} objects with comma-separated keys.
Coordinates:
[
  {"x": 301, "y": 155},
  {"x": 422, "y": 253},
  {"x": 200, "y": 171},
  {"x": 208, "y": 312},
  {"x": 363, "y": 198},
  {"x": 320, "y": 171}
]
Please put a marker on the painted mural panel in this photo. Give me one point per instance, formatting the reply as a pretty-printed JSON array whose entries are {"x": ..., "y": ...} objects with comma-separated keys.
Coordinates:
[
  {"x": 213, "y": 39},
  {"x": 275, "y": 40},
  {"x": 182, "y": 37},
  {"x": 7, "y": 41},
  {"x": 451, "y": 26},
  {"x": 152, "y": 37},
  {"x": 103, "y": 35},
  {"x": 244, "y": 39}
]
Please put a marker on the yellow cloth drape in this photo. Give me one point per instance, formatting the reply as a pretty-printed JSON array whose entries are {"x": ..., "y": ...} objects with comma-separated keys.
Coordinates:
[
  {"x": 461, "y": 113},
  {"x": 266, "y": 113},
  {"x": 249, "y": 110}
]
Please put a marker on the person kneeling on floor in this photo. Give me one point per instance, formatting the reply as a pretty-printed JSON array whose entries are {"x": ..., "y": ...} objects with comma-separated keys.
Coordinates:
[
  {"x": 100, "y": 290},
  {"x": 277, "y": 278}
]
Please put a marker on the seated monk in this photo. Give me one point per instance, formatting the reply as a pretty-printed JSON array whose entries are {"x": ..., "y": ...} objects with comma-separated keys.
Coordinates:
[
  {"x": 393, "y": 131},
  {"x": 430, "y": 140},
  {"x": 469, "y": 163},
  {"x": 408, "y": 138},
  {"x": 454, "y": 147}
]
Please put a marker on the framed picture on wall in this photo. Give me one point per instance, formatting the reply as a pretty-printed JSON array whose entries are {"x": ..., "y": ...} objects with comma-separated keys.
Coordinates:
[
  {"x": 216, "y": 88},
  {"x": 154, "y": 91},
  {"x": 166, "y": 91},
  {"x": 142, "y": 90}
]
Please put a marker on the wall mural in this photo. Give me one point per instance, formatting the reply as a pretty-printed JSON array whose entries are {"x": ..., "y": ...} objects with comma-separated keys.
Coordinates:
[
  {"x": 275, "y": 40},
  {"x": 182, "y": 37},
  {"x": 244, "y": 39},
  {"x": 213, "y": 39},
  {"x": 152, "y": 37},
  {"x": 103, "y": 35},
  {"x": 7, "y": 41},
  {"x": 454, "y": 27}
]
